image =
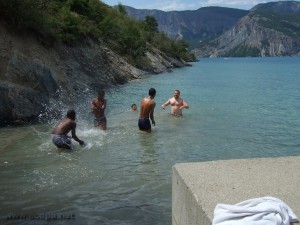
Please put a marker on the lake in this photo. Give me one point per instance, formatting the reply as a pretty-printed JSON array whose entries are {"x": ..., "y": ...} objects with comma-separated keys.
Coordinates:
[{"x": 239, "y": 108}]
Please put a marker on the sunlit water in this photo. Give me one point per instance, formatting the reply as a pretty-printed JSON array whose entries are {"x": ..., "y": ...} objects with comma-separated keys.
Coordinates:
[{"x": 239, "y": 108}]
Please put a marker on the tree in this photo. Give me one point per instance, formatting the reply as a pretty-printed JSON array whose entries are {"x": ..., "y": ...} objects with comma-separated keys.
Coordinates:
[
  {"x": 151, "y": 24},
  {"x": 122, "y": 9}
]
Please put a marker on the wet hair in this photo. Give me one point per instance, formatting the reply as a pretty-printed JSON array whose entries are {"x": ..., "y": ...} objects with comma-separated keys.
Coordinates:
[
  {"x": 133, "y": 105},
  {"x": 152, "y": 92},
  {"x": 101, "y": 92},
  {"x": 177, "y": 91},
  {"x": 71, "y": 114}
]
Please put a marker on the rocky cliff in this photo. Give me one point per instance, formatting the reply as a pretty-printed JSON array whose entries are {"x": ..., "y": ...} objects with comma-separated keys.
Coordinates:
[
  {"x": 268, "y": 30},
  {"x": 192, "y": 25},
  {"x": 35, "y": 71},
  {"x": 248, "y": 38}
]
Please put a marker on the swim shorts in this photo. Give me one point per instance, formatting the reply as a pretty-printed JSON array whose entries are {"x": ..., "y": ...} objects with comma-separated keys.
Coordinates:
[
  {"x": 144, "y": 124},
  {"x": 62, "y": 141},
  {"x": 99, "y": 121}
]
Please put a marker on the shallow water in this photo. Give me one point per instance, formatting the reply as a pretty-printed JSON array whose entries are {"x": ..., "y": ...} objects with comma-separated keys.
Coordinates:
[{"x": 239, "y": 108}]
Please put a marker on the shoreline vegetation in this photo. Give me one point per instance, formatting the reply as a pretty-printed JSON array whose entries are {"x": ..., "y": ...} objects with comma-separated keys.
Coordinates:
[
  {"x": 73, "y": 21},
  {"x": 56, "y": 50}
]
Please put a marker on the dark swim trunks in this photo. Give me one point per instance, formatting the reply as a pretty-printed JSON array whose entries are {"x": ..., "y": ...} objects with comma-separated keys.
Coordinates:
[
  {"x": 62, "y": 141},
  {"x": 144, "y": 124},
  {"x": 99, "y": 121}
]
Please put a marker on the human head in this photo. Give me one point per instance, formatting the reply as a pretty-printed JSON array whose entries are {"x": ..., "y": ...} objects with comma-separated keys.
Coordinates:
[
  {"x": 101, "y": 93},
  {"x": 152, "y": 92},
  {"x": 176, "y": 94},
  {"x": 133, "y": 107},
  {"x": 71, "y": 114}
]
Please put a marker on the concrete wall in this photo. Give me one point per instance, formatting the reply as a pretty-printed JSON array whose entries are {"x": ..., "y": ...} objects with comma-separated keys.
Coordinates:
[{"x": 198, "y": 187}]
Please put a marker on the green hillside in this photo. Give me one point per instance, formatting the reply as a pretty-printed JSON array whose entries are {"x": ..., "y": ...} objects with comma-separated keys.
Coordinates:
[{"x": 73, "y": 21}]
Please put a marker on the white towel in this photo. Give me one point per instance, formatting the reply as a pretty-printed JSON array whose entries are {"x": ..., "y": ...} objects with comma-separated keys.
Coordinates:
[{"x": 257, "y": 211}]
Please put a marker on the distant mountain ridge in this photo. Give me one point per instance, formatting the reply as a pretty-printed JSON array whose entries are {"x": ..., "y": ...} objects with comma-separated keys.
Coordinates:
[
  {"x": 271, "y": 29},
  {"x": 280, "y": 7},
  {"x": 201, "y": 24},
  {"x": 268, "y": 29}
]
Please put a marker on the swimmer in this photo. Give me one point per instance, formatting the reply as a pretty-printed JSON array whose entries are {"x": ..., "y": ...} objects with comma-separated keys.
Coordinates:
[{"x": 133, "y": 107}]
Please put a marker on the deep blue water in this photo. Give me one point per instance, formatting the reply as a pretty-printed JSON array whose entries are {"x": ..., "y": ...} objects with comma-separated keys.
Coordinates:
[{"x": 239, "y": 108}]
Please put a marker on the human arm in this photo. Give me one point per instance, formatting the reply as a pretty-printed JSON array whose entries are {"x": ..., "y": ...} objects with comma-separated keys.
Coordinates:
[
  {"x": 152, "y": 114},
  {"x": 104, "y": 104},
  {"x": 165, "y": 104},
  {"x": 74, "y": 136},
  {"x": 98, "y": 105},
  {"x": 93, "y": 106},
  {"x": 185, "y": 105}
]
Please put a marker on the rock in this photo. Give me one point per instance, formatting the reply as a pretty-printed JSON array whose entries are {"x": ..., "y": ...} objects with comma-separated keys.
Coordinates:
[
  {"x": 19, "y": 104},
  {"x": 35, "y": 72}
]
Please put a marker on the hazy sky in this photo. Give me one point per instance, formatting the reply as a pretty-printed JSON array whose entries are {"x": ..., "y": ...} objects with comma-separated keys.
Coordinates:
[{"x": 179, "y": 5}]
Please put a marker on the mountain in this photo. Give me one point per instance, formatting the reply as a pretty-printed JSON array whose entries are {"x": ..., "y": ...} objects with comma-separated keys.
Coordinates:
[
  {"x": 192, "y": 25},
  {"x": 280, "y": 7},
  {"x": 270, "y": 29}
]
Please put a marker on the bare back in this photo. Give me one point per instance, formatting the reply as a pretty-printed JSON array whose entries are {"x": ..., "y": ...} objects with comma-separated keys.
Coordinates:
[
  {"x": 64, "y": 127},
  {"x": 147, "y": 108}
]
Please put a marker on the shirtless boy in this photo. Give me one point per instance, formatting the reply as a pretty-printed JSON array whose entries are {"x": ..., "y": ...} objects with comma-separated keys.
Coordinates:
[
  {"x": 177, "y": 104},
  {"x": 98, "y": 108},
  {"x": 64, "y": 126},
  {"x": 147, "y": 111}
]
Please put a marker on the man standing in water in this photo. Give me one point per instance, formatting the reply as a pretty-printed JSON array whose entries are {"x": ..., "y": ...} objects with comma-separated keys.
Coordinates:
[
  {"x": 177, "y": 104},
  {"x": 147, "y": 110},
  {"x": 98, "y": 108},
  {"x": 64, "y": 126}
]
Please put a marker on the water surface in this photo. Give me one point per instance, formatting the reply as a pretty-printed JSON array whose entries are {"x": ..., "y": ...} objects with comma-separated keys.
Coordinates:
[{"x": 239, "y": 108}]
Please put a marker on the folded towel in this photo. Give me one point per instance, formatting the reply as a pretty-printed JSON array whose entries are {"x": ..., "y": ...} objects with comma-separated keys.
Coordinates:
[{"x": 257, "y": 211}]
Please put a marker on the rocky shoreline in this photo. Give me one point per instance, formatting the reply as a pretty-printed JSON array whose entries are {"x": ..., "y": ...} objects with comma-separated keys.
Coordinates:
[{"x": 33, "y": 70}]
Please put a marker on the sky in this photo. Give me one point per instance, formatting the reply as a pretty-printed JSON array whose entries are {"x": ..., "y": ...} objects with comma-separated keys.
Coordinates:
[{"x": 180, "y": 5}]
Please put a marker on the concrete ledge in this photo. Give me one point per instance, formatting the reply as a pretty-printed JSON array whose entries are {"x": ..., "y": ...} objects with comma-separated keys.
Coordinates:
[{"x": 198, "y": 187}]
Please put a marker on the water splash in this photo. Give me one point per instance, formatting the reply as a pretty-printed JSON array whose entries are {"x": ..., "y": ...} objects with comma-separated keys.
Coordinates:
[{"x": 57, "y": 108}]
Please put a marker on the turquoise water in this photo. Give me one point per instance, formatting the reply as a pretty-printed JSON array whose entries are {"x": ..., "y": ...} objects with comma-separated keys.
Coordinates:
[{"x": 239, "y": 108}]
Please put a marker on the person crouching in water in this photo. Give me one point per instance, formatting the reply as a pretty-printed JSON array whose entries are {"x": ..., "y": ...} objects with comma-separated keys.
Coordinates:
[
  {"x": 61, "y": 130},
  {"x": 98, "y": 108}
]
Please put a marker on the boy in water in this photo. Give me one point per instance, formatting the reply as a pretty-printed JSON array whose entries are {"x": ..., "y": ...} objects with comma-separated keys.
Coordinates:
[
  {"x": 133, "y": 107},
  {"x": 98, "y": 108},
  {"x": 64, "y": 126},
  {"x": 147, "y": 110}
]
